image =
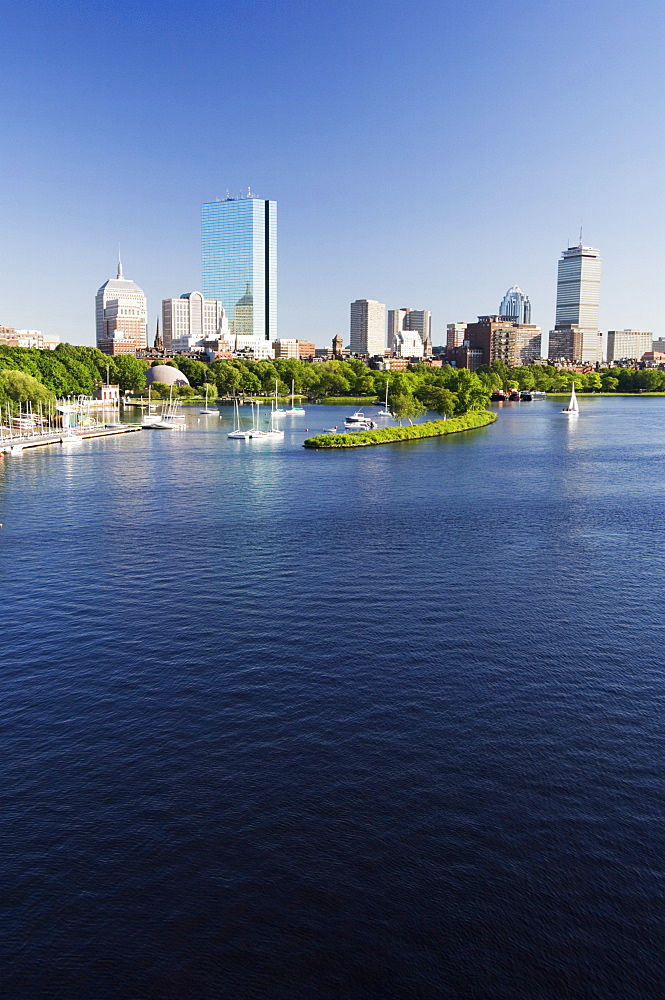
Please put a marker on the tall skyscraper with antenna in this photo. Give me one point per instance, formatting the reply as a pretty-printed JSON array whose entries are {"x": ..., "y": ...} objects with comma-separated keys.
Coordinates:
[
  {"x": 576, "y": 335},
  {"x": 121, "y": 315}
]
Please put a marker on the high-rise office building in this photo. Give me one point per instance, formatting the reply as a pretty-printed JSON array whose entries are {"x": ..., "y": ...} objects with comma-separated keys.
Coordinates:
[
  {"x": 576, "y": 335},
  {"x": 239, "y": 253},
  {"x": 628, "y": 344},
  {"x": 121, "y": 316},
  {"x": 191, "y": 319},
  {"x": 515, "y": 305},
  {"x": 368, "y": 327},
  {"x": 402, "y": 324}
]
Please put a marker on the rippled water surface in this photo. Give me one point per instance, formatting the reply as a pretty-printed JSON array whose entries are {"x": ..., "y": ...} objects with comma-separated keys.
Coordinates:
[{"x": 380, "y": 724}]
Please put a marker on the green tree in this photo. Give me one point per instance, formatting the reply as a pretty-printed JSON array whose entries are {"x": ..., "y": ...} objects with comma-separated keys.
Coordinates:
[
  {"x": 196, "y": 371},
  {"x": 16, "y": 387},
  {"x": 130, "y": 372}
]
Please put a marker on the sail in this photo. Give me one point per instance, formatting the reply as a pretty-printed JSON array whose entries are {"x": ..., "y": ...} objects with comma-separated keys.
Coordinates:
[{"x": 573, "y": 405}]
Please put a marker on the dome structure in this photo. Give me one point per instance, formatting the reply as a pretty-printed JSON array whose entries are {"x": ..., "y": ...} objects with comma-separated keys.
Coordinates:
[{"x": 166, "y": 374}]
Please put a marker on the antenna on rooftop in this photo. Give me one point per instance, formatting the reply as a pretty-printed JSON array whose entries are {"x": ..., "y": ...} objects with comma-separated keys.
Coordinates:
[{"x": 580, "y": 232}]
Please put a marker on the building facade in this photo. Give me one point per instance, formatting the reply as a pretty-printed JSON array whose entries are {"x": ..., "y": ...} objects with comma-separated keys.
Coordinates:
[
  {"x": 368, "y": 327},
  {"x": 239, "y": 257},
  {"x": 121, "y": 316},
  {"x": 402, "y": 325},
  {"x": 455, "y": 334},
  {"x": 191, "y": 320},
  {"x": 628, "y": 344},
  {"x": 498, "y": 339},
  {"x": 10, "y": 337},
  {"x": 576, "y": 335},
  {"x": 285, "y": 348},
  {"x": 515, "y": 306}
]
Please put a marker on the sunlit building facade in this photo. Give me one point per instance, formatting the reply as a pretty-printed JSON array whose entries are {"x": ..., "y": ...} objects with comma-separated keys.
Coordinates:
[
  {"x": 402, "y": 325},
  {"x": 576, "y": 336},
  {"x": 628, "y": 344},
  {"x": 368, "y": 327},
  {"x": 190, "y": 320},
  {"x": 121, "y": 316},
  {"x": 239, "y": 257}
]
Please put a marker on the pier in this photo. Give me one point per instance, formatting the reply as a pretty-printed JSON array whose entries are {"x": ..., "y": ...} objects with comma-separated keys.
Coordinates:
[{"x": 15, "y": 443}]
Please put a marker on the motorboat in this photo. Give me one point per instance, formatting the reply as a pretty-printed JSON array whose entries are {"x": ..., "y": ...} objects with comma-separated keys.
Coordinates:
[{"x": 360, "y": 421}]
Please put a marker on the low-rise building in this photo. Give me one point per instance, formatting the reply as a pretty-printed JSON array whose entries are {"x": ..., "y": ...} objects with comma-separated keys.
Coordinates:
[
  {"x": 306, "y": 349},
  {"x": 285, "y": 348},
  {"x": 27, "y": 338}
]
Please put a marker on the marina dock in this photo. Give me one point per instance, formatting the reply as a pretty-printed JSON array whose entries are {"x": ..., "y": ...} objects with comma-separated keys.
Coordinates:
[{"x": 19, "y": 442}]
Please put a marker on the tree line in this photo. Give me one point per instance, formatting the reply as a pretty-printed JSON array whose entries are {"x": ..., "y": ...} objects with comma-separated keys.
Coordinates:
[{"x": 71, "y": 371}]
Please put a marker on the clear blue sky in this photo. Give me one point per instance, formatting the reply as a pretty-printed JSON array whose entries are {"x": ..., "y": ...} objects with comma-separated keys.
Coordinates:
[{"x": 428, "y": 154}]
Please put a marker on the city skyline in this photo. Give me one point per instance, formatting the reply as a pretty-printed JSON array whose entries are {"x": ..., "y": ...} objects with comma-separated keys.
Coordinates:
[{"x": 338, "y": 211}]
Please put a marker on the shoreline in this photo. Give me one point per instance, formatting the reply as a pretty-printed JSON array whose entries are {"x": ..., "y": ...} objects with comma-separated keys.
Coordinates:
[{"x": 412, "y": 432}]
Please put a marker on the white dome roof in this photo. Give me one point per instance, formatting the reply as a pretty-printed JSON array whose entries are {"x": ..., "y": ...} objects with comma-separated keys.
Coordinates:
[{"x": 166, "y": 374}]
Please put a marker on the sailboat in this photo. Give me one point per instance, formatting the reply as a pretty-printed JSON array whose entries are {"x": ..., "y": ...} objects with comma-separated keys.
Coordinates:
[
  {"x": 206, "y": 410},
  {"x": 238, "y": 432},
  {"x": 385, "y": 412},
  {"x": 573, "y": 407},
  {"x": 276, "y": 408},
  {"x": 292, "y": 408},
  {"x": 274, "y": 432}
]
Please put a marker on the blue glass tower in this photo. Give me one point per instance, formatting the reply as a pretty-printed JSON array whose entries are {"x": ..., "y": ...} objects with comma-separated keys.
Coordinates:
[{"x": 239, "y": 253}]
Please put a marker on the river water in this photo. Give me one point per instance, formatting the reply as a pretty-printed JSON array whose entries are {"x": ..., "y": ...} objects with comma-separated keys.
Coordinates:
[{"x": 379, "y": 724}]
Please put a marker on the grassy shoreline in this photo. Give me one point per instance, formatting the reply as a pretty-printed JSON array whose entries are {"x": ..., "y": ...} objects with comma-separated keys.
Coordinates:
[{"x": 413, "y": 432}]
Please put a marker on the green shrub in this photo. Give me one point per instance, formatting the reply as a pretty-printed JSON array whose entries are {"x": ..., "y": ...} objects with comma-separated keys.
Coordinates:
[{"x": 386, "y": 435}]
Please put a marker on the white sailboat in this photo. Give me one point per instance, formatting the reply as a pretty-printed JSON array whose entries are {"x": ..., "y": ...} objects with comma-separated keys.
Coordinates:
[
  {"x": 292, "y": 408},
  {"x": 276, "y": 408},
  {"x": 275, "y": 431},
  {"x": 206, "y": 410},
  {"x": 170, "y": 419},
  {"x": 385, "y": 412},
  {"x": 238, "y": 432},
  {"x": 573, "y": 408}
]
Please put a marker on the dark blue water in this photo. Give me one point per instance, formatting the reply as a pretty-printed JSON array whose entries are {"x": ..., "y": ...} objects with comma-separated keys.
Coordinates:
[{"x": 289, "y": 724}]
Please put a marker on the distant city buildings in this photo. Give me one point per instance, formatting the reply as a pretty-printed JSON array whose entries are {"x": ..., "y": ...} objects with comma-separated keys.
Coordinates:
[
  {"x": 628, "y": 344},
  {"x": 9, "y": 337},
  {"x": 455, "y": 334},
  {"x": 239, "y": 258},
  {"x": 410, "y": 332},
  {"x": 495, "y": 339},
  {"x": 368, "y": 327},
  {"x": 576, "y": 336},
  {"x": 121, "y": 316},
  {"x": 515, "y": 306},
  {"x": 191, "y": 320}
]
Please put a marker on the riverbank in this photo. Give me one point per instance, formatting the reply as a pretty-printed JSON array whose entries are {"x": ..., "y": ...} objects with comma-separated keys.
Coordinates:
[{"x": 388, "y": 435}]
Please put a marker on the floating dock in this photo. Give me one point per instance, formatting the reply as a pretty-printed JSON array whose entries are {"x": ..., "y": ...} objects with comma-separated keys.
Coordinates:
[{"x": 19, "y": 442}]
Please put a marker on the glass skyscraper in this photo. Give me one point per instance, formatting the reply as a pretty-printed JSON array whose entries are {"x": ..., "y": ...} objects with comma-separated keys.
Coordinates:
[
  {"x": 515, "y": 305},
  {"x": 239, "y": 253}
]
